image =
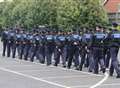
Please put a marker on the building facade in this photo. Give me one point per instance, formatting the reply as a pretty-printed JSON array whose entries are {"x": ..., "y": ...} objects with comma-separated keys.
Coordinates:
[{"x": 113, "y": 9}]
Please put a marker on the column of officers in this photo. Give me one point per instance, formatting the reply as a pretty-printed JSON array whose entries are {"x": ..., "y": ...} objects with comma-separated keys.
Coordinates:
[{"x": 96, "y": 51}]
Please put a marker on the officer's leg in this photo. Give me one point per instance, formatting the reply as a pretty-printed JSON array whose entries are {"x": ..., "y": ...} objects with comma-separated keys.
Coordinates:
[
  {"x": 43, "y": 57},
  {"x": 91, "y": 61},
  {"x": 102, "y": 64},
  {"x": 82, "y": 60},
  {"x": 14, "y": 50},
  {"x": 48, "y": 55},
  {"x": 18, "y": 50},
  {"x": 49, "y": 58},
  {"x": 96, "y": 60},
  {"x": 116, "y": 67},
  {"x": 22, "y": 51},
  {"x": 4, "y": 47},
  {"x": 64, "y": 55},
  {"x": 42, "y": 54},
  {"x": 87, "y": 60},
  {"x": 77, "y": 58},
  {"x": 27, "y": 48},
  {"x": 70, "y": 57},
  {"x": 12, "y": 46},
  {"x": 33, "y": 54},
  {"x": 8, "y": 49},
  {"x": 104, "y": 55},
  {"x": 108, "y": 59},
  {"x": 38, "y": 54},
  {"x": 68, "y": 51},
  {"x": 111, "y": 71},
  {"x": 25, "y": 52},
  {"x": 114, "y": 53},
  {"x": 56, "y": 57},
  {"x": 30, "y": 52}
]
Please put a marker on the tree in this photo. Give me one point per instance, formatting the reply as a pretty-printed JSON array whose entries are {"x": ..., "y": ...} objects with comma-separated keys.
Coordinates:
[{"x": 59, "y": 14}]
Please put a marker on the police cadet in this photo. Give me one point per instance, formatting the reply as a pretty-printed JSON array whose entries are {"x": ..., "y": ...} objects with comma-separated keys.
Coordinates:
[
  {"x": 28, "y": 45},
  {"x": 74, "y": 42},
  {"x": 83, "y": 51},
  {"x": 23, "y": 42},
  {"x": 60, "y": 49},
  {"x": 86, "y": 44},
  {"x": 17, "y": 46},
  {"x": 49, "y": 47},
  {"x": 4, "y": 40},
  {"x": 114, "y": 48},
  {"x": 42, "y": 47},
  {"x": 35, "y": 46},
  {"x": 98, "y": 48},
  {"x": 107, "y": 48},
  {"x": 11, "y": 40}
]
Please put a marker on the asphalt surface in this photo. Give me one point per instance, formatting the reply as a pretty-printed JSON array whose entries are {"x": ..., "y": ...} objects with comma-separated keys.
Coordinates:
[{"x": 16, "y": 73}]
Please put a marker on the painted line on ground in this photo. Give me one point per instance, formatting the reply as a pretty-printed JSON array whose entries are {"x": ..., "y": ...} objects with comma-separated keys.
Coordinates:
[
  {"x": 62, "y": 77},
  {"x": 87, "y": 86},
  {"x": 36, "y": 70},
  {"x": 101, "y": 82},
  {"x": 32, "y": 77},
  {"x": 112, "y": 84},
  {"x": 81, "y": 86},
  {"x": 93, "y": 86}
]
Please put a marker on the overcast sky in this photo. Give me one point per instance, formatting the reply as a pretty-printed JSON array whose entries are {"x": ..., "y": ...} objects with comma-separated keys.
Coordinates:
[{"x": 1, "y": 0}]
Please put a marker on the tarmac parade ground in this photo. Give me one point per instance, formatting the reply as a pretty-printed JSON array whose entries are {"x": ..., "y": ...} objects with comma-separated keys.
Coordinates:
[{"x": 16, "y": 73}]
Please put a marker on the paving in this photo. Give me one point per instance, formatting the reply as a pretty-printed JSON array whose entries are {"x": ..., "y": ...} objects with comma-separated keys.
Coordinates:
[{"x": 15, "y": 73}]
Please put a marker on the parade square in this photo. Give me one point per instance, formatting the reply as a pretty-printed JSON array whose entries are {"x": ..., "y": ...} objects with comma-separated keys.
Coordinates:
[{"x": 59, "y": 43}]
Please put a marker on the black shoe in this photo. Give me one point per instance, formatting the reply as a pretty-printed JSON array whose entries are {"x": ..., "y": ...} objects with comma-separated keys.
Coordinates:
[
  {"x": 80, "y": 68},
  {"x": 118, "y": 76},
  {"x": 31, "y": 60},
  {"x": 90, "y": 71},
  {"x": 68, "y": 67},
  {"x": 20, "y": 58},
  {"x": 8, "y": 56},
  {"x": 103, "y": 70},
  {"x": 96, "y": 72},
  {"x": 48, "y": 64},
  {"x": 42, "y": 62},
  {"x": 13, "y": 56},
  {"x": 55, "y": 65},
  {"x": 25, "y": 59},
  {"x": 64, "y": 66},
  {"x": 77, "y": 68},
  {"x": 110, "y": 75}
]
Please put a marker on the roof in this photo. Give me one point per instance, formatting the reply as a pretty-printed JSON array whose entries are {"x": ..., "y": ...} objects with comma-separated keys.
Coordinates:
[{"x": 112, "y": 6}]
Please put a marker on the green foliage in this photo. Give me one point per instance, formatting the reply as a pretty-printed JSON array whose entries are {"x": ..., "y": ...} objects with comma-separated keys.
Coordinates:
[{"x": 62, "y": 14}]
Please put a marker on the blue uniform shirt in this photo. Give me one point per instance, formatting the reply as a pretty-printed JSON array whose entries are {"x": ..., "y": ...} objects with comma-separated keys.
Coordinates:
[
  {"x": 98, "y": 39},
  {"x": 49, "y": 38}
]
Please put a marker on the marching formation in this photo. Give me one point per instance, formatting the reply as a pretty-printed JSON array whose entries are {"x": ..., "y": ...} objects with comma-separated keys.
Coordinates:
[{"x": 95, "y": 51}]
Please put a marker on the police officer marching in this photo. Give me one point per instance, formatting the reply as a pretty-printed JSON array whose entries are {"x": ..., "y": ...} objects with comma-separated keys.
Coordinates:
[
  {"x": 98, "y": 48},
  {"x": 114, "y": 44},
  {"x": 94, "y": 50}
]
